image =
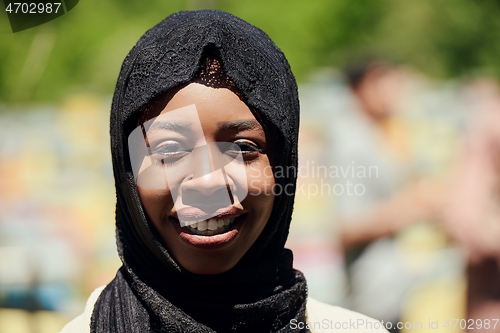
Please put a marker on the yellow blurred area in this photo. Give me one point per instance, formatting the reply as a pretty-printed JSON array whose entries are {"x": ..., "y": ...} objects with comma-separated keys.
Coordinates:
[
  {"x": 22, "y": 321},
  {"x": 435, "y": 305}
]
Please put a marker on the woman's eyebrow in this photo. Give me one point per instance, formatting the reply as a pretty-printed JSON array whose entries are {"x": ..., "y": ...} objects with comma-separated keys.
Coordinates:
[
  {"x": 173, "y": 125},
  {"x": 241, "y": 125}
]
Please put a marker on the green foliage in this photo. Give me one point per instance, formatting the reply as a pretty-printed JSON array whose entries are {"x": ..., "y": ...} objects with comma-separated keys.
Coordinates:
[{"x": 83, "y": 49}]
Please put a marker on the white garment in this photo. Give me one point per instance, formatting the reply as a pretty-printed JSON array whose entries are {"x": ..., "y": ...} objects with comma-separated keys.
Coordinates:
[
  {"x": 321, "y": 318},
  {"x": 81, "y": 324}
]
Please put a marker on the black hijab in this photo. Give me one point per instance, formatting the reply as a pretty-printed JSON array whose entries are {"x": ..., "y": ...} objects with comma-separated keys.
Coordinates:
[{"x": 151, "y": 292}]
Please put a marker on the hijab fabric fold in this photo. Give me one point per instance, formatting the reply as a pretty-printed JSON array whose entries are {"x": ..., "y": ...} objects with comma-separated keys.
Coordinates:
[{"x": 152, "y": 292}]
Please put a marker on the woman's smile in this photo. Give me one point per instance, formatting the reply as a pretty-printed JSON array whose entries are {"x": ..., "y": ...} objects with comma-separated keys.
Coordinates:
[
  {"x": 199, "y": 220},
  {"x": 212, "y": 234},
  {"x": 209, "y": 231}
]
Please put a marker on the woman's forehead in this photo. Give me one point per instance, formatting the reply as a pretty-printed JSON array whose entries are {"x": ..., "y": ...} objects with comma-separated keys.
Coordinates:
[{"x": 210, "y": 102}]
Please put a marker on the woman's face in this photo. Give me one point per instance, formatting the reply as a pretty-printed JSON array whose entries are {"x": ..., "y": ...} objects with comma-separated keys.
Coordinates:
[{"x": 206, "y": 180}]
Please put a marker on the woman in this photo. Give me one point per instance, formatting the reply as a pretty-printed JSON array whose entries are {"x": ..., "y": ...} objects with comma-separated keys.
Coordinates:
[{"x": 204, "y": 111}]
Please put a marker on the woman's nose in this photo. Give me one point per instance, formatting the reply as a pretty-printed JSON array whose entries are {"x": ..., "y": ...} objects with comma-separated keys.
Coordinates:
[{"x": 208, "y": 184}]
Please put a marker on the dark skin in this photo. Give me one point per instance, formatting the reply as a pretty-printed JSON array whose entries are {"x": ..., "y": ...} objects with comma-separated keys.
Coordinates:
[{"x": 223, "y": 117}]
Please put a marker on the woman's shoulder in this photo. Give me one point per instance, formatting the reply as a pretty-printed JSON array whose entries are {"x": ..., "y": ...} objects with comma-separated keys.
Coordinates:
[
  {"x": 323, "y": 318},
  {"x": 81, "y": 324}
]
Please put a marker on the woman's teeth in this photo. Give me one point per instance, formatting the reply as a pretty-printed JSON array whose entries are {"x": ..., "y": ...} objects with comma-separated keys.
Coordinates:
[{"x": 210, "y": 226}]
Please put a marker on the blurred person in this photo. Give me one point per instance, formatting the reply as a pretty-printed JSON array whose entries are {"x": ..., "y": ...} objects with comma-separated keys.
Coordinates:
[
  {"x": 370, "y": 144},
  {"x": 199, "y": 88},
  {"x": 381, "y": 139},
  {"x": 473, "y": 212}
]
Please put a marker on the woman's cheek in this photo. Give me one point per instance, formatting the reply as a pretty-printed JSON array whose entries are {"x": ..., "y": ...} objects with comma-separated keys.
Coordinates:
[
  {"x": 155, "y": 202},
  {"x": 260, "y": 179}
]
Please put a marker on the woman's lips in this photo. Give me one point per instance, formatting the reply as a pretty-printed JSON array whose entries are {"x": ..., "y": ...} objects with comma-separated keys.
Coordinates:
[
  {"x": 188, "y": 215},
  {"x": 209, "y": 242}
]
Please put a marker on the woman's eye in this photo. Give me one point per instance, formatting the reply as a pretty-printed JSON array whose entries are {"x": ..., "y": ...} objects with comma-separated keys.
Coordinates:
[
  {"x": 171, "y": 149},
  {"x": 242, "y": 146}
]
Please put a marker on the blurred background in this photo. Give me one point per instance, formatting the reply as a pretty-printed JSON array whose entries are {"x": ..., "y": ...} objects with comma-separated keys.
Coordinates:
[{"x": 398, "y": 207}]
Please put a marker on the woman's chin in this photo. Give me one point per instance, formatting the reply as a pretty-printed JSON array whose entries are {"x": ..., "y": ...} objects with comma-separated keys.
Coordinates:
[{"x": 210, "y": 266}]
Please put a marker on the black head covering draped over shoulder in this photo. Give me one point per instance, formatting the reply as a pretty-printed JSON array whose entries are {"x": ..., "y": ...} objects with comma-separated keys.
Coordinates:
[{"x": 152, "y": 292}]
